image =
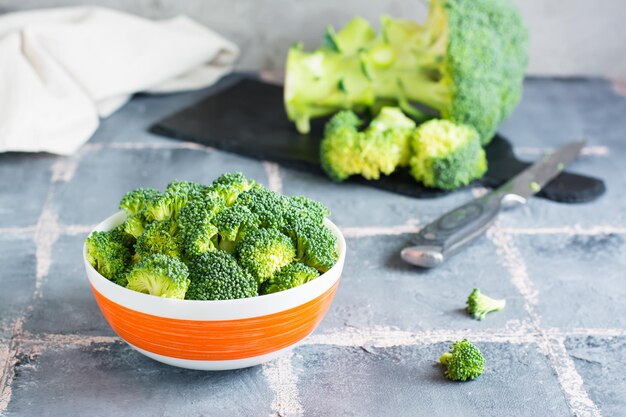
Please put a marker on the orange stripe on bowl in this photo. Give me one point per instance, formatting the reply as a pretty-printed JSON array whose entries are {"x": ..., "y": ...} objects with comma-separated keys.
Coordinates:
[{"x": 215, "y": 340}]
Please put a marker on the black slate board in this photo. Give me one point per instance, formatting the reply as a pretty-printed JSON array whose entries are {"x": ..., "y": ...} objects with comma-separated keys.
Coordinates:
[{"x": 248, "y": 118}]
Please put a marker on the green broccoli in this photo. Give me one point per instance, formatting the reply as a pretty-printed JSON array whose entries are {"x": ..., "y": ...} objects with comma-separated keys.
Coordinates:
[
  {"x": 267, "y": 205},
  {"x": 160, "y": 236},
  {"x": 177, "y": 195},
  {"x": 478, "y": 304},
  {"x": 464, "y": 361},
  {"x": 262, "y": 252},
  {"x": 291, "y": 276},
  {"x": 392, "y": 122},
  {"x": 230, "y": 185},
  {"x": 110, "y": 254},
  {"x": 466, "y": 63},
  {"x": 303, "y": 207},
  {"x": 217, "y": 276},
  {"x": 134, "y": 224},
  {"x": 447, "y": 155},
  {"x": 197, "y": 232},
  {"x": 160, "y": 275},
  {"x": 316, "y": 245},
  {"x": 232, "y": 224},
  {"x": 136, "y": 201},
  {"x": 345, "y": 151}
]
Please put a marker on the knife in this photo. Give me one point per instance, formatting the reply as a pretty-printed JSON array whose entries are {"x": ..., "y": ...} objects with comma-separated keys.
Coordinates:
[{"x": 455, "y": 230}]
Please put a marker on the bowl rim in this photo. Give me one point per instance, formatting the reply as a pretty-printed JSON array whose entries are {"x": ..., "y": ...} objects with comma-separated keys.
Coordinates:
[{"x": 314, "y": 287}]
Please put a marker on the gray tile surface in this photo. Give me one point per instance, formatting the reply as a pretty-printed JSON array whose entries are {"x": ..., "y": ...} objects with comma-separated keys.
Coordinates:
[{"x": 59, "y": 357}]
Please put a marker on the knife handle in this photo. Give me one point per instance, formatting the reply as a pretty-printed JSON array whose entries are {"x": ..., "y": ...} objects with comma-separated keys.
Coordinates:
[{"x": 453, "y": 231}]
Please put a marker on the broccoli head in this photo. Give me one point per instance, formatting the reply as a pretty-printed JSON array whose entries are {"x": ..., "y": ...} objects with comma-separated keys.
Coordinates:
[
  {"x": 160, "y": 275},
  {"x": 217, "y": 276},
  {"x": 177, "y": 195},
  {"x": 232, "y": 224},
  {"x": 262, "y": 252},
  {"x": 392, "y": 122},
  {"x": 466, "y": 63},
  {"x": 267, "y": 205},
  {"x": 346, "y": 151},
  {"x": 298, "y": 207},
  {"x": 446, "y": 155},
  {"x": 291, "y": 276},
  {"x": 134, "y": 224},
  {"x": 160, "y": 236},
  {"x": 464, "y": 361},
  {"x": 110, "y": 253},
  {"x": 316, "y": 245},
  {"x": 478, "y": 304},
  {"x": 197, "y": 232},
  {"x": 230, "y": 185},
  {"x": 136, "y": 201}
]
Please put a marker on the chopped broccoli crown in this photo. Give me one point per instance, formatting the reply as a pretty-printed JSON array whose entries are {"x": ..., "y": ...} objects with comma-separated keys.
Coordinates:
[
  {"x": 217, "y": 276},
  {"x": 232, "y": 224},
  {"x": 303, "y": 207},
  {"x": 197, "y": 232},
  {"x": 464, "y": 361},
  {"x": 176, "y": 196},
  {"x": 316, "y": 245},
  {"x": 267, "y": 205},
  {"x": 134, "y": 202},
  {"x": 110, "y": 254},
  {"x": 134, "y": 224},
  {"x": 466, "y": 63},
  {"x": 293, "y": 275},
  {"x": 478, "y": 304},
  {"x": 230, "y": 185},
  {"x": 159, "y": 237},
  {"x": 264, "y": 251},
  {"x": 160, "y": 275},
  {"x": 446, "y": 155}
]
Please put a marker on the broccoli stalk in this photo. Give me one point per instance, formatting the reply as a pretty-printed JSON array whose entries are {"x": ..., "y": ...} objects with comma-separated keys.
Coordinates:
[
  {"x": 464, "y": 361},
  {"x": 478, "y": 304},
  {"x": 466, "y": 63}
]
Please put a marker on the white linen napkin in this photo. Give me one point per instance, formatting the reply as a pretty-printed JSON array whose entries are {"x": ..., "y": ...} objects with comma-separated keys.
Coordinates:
[{"x": 62, "y": 69}]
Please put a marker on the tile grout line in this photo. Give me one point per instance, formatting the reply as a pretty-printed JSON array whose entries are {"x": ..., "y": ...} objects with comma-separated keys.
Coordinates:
[
  {"x": 25, "y": 230},
  {"x": 8, "y": 362},
  {"x": 283, "y": 382},
  {"x": 272, "y": 171}
]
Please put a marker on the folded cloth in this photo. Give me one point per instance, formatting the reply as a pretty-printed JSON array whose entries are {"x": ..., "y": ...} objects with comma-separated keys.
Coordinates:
[{"x": 62, "y": 69}]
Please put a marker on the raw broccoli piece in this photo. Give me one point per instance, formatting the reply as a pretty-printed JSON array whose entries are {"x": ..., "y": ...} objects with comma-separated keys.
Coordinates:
[
  {"x": 447, "y": 155},
  {"x": 233, "y": 223},
  {"x": 316, "y": 245},
  {"x": 269, "y": 206},
  {"x": 464, "y": 361},
  {"x": 291, "y": 276},
  {"x": 197, "y": 232},
  {"x": 345, "y": 151},
  {"x": 262, "y": 252},
  {"x": 230, "y": 185},
  {"x": 392, "y": 122},
  {"x": 135, "y": 202},
  {"x": 302, "y": 207},
  {"x": 160, "y": 275},
  {"x": 478, "y": 304},
  {"x": 110, "y": 254},
  {"x": 217, "y": 276},
  {"x": 134, "y": 224},
  {"x": 466, "y": 63},
  {"x": 160, "y": 236},
  {"x": 176, "y": 196}
]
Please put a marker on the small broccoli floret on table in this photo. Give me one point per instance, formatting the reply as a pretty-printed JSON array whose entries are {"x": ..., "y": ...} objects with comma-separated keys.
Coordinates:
[
  {"x": 230, "y": 185},
  {"x": 159, "y": 237},
  {"x": 346, "y": 151},
  {"x": 232, "y": 225},
  {"x": 397, "y": 127},
  {"x": 478, "y": 304},
  {"x": 464, "y": 361},
  {"x": 293, "y": 275},
  {"x": 316, "y": 245},
  {"x": 217, "y": 276},
  {"x": 110, "y": 253},
  {"x": 197, "y": 232},
  {"x": 267, "y": 205},
  {"x": 447, "y": 155},
  {"x": 136, "y": 201},
  {"x": 262, "y": 252},
  {"x": 159, "y": 275}
]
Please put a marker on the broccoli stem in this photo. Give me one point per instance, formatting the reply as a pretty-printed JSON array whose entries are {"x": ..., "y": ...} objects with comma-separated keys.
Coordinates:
[{"x": 445, "y": 358}]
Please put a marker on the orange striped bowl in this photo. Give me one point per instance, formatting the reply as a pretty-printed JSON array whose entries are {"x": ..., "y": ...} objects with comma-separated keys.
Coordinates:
[{"x": 215, "y": 335}]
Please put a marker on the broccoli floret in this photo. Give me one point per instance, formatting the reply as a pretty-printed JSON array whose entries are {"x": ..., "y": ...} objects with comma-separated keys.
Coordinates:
[
  {"x": 345, "y": 151},
  {"x": 134, "y": 224},
  {"x": 232, "y": 224},
  {"x": 197, "y": 232},
  {"x": 217, "y": 276},
  {"x": 230, "y": 185},
  {"x": 264, "y": 251},
  {"x": 316, "y": 245},
  {"x": 464, "y": 361},
  {"x": 135, "y": 202},
  {"x": 291, "y": 276},
  {"x": 392, "y": 122},
  {"x": 302, "y": 207},
  {"x": 447, "y": 155},
  {"x": 176, "y": 196},
  {"x": 160, "y": 275},
  {"x": 159, "y": 237},
  {"x": 466, "y": 63},
  {"x": 478, "y": 304},
  {"x": 110, "y": 254},
  {"x": 269, "y": 206}
]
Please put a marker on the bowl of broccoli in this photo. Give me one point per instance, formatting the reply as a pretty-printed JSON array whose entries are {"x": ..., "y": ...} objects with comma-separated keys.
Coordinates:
[{"x": 213, "y": 277}]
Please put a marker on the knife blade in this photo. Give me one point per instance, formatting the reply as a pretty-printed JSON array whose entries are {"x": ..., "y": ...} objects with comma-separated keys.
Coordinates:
[{"x": 456, "y": 229}]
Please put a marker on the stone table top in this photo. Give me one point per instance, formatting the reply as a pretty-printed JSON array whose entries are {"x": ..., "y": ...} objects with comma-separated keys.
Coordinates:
[{"x": 558, "y": 348}]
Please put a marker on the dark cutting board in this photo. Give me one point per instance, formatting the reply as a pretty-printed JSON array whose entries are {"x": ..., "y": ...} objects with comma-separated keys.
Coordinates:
[{"x": 248, "y": 118}]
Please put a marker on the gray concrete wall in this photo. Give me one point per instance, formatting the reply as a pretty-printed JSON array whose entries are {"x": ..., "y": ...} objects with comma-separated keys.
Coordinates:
[{"x": 572, "y": 37}]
